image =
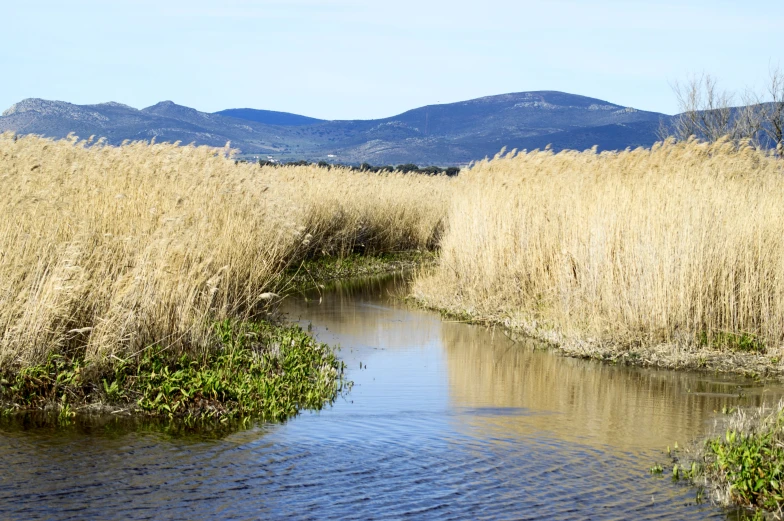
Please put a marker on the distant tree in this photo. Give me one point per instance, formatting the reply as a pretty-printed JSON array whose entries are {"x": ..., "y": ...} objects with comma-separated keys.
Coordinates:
[
  {"x": 432, "y": 170},
  {"x": 452, "y": 171},
  {"x": 264, "y": 162},
  {"x": 407, "y": 168},
  {"x": 324, "y": 164}
]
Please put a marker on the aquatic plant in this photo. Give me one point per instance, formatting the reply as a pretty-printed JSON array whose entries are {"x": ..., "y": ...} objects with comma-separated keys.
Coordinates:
[
  {"x": 741, "y": 463},
  {"x": 260, "y": 370},
  {"x": 746, "y": 465}
]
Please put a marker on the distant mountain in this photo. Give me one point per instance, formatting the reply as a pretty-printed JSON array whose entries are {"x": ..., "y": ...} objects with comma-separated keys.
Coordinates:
[
  {"x": 164, "y": 121},
  {"x": 448, "y": 134},
  {"x": 270, "y": 117}
]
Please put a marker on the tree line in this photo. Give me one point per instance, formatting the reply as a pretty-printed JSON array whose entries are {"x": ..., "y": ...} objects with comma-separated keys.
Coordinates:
[{"x": 407, "y": 168}]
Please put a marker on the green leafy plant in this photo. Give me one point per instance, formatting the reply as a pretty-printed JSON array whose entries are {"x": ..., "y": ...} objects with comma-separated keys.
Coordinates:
[
  {"x": 259, "y": 370},
  {"x": 747, "y": 460},
  {"x": 752, "y": 464}
]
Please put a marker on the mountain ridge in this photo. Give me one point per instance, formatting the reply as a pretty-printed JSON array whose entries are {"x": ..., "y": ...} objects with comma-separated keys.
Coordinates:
[
  {"x": 270, "y": 117},
  {"x": 444, "y": 134}
]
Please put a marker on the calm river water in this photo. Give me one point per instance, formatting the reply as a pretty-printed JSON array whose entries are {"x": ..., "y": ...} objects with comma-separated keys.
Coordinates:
[{"x": 445, "y": 421}]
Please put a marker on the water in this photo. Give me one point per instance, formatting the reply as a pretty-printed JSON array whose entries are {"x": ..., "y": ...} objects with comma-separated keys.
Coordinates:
[{"x": 447, "y": 421}]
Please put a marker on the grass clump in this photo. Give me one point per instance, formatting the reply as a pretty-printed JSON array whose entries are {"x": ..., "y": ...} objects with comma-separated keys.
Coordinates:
[
  {"x": 751, "y": 465},
  {"x": 261, "y": 370}
]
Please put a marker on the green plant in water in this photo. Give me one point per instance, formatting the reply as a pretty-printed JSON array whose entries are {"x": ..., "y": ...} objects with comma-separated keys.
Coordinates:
[
  {"x": 745, "y": 463},
  {"x": 262, "y": 370},
  {"x": 66, "y": 412},
  {"x": 752, "y": 464},
  {"x": 259, "y": 370},
  {"x": 35, "y": 386}
]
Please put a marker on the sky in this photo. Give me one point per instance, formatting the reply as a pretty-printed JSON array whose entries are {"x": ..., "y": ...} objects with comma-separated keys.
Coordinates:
[{"x": 352, "y": 59}]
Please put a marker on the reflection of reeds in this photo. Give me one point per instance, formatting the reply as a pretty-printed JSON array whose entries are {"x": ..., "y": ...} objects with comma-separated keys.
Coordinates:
[
  {"x": 608, "y": 404},
  {"x": 346, "y": 292},
  {"x": 366, "y": 312},
  {"x": 107, "y": 250},
  {"x": 115, "y": 426},
  {"x": 680, "y": 245}
]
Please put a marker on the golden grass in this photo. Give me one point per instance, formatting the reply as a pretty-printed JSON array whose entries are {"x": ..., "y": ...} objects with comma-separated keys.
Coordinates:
[
  {"x": 106, "y": 251},
  {"x": 676, "y": 246}
]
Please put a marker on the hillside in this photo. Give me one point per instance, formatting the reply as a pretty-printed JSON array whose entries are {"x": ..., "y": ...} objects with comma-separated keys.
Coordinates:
[
  {"x": 269, "y": 117},
  {"x": 445, "y": 134}
]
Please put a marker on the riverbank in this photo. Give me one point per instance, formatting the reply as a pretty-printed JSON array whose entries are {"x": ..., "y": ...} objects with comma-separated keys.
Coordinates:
[
  {"x": 740, "y": 463},
  {"x": 683, "y": 356},
  {"x": 668, "y": 257},
  {"x": 263, "y": 369},
  {"x": 121, "y": 260}
]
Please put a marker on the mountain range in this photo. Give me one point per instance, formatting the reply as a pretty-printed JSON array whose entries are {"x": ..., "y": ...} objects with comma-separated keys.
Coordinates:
[{"x": 444, "y": 134}]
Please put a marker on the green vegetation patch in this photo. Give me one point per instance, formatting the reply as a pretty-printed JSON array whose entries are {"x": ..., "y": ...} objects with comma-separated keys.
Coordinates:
[
  {"x": 743, "y": 342},
  {"x": 743, "y": 467},
  {"x": 261, "y": 370},
  {"x": 750, "y": 464},
  {"x": 321, "y": 269}
]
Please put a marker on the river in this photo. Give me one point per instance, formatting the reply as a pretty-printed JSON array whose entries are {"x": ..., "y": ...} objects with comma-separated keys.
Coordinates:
[{"x": 445, "y": 421}]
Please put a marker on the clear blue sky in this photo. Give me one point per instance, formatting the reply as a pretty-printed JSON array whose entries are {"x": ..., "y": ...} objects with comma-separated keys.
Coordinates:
[{"x": 346, "y": 59}]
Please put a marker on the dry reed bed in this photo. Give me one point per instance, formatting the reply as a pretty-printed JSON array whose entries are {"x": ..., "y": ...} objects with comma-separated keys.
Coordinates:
[
  {"x": 672, "y": 256},
  {"x": 105, "y": 251}
]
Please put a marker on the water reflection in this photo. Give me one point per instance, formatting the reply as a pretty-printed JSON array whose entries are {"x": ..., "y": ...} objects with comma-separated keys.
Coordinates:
[
  {"x": 575, "y": 399},
  {"x": 47, "y": 424}
]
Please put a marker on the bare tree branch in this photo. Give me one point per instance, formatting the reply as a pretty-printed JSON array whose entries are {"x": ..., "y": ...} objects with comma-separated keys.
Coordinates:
[
  {"x": 707, "y": 112},
  {"x": 773, "y": 111}
]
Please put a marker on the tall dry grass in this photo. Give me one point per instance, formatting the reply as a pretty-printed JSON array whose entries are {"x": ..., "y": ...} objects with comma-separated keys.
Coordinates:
[
  {"x": 108, "y": 250},
  {"x": 646, "y": 247}
]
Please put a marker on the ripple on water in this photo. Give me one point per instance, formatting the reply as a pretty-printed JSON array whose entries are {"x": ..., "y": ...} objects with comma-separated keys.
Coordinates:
[{"x": 386, "y": 474}]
